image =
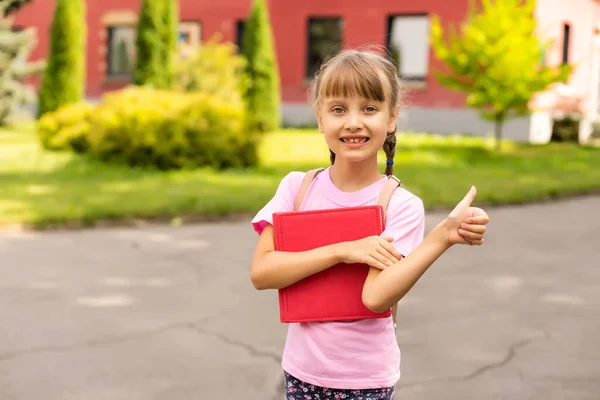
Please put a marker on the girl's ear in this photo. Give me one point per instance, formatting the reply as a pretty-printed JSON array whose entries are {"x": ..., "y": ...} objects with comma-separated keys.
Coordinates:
[
  {"x": 319, "y": 120},
  {"x": 393, "y": 119}
]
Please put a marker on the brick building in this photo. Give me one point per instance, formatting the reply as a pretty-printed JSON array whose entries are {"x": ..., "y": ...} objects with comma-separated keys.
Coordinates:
[{"x": 305, "y": 31}]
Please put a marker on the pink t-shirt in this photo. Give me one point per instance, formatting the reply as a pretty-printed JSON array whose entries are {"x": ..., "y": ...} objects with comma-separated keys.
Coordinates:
[{"x": 361, "y": 354}]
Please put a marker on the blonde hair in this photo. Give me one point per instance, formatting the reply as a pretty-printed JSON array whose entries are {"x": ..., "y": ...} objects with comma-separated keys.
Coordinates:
[{"x": 361, "y": 73}]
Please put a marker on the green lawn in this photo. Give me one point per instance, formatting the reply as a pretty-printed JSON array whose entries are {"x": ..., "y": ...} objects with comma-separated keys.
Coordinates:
[{"x": 41, "y": 187}]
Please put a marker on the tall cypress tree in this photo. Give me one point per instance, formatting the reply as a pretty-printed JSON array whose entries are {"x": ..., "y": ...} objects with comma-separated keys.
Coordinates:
[
  {"x": 64, "y": 77},
  {"x": 262, "y": 96},
  {"x": 170, "y": 36},
  {"x": 155, "y": 41},
  {"x": 148, "y": 68}
]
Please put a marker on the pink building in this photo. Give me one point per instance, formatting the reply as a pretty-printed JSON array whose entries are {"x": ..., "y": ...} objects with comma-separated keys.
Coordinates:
[{"x": 575, "y": 26}]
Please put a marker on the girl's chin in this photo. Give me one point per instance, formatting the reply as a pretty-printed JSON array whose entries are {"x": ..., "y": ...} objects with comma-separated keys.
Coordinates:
[{"x": 355, "y": 156}]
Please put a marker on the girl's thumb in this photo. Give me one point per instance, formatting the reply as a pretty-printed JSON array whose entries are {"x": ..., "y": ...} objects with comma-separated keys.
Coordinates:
[{"x": 389, "y": 238}]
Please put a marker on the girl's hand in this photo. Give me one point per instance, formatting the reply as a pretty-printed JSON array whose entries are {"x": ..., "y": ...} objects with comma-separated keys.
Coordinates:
[
  {"x": 375, "y": 251},
  {"x": 466, "y": 224}
]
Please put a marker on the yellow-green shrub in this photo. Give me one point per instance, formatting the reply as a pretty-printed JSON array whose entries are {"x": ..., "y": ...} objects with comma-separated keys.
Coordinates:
[
  {"x": 167, "y": 129},
  {"x": 66, "y": 128},
  {"x": 215, "y": 68}
]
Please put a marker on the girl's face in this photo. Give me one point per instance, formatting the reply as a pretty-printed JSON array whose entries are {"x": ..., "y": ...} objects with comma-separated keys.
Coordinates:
[{"x": 355, "y": 127}]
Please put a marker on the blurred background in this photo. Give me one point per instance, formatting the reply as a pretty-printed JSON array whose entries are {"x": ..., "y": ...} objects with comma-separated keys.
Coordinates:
[{"x": 166, "y": 124}]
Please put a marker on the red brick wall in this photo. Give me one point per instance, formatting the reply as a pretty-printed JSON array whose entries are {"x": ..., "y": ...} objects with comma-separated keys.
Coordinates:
[{"x": 365, "y": 23}]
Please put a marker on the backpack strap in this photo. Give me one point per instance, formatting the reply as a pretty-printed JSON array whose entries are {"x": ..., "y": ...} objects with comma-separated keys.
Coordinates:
[
  {"x": 306, "y": 181},
  {"x": 383, "y": 200},
  {"x": 386, "y": 193}
]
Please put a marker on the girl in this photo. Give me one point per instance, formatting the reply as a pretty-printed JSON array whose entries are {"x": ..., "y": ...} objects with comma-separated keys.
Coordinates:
[{"x": 357, "y": 101}]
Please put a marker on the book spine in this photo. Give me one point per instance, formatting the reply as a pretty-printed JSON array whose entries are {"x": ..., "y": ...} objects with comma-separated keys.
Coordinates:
[{"x": 283, "y": 304}]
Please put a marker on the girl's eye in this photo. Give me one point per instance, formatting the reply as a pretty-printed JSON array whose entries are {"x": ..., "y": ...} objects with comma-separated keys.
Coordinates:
[
  {"x": 370, "y": 109},
  {"x": 338, "y": 110}
]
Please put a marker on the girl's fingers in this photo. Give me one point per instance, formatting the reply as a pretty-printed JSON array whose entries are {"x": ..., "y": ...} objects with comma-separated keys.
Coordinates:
[
  {"x": 477, "y": 242},
  {"x": 473, "y": 228},
  {"x": 387, "y": 255},
  {"x": 381, "y": 258},
  {"x": 470, "y": 236},
  {"x": 373, "y": 262},
  {"x": 391, "y": 249},
  {"x": 479, "y": 220}
]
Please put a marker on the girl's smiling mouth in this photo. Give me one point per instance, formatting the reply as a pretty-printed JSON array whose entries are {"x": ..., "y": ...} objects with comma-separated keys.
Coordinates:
[{"x": 353, "y": 140}]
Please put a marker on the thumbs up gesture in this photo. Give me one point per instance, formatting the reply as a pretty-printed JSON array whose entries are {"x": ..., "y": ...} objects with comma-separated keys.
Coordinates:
[{"x": 466, "y": 224}]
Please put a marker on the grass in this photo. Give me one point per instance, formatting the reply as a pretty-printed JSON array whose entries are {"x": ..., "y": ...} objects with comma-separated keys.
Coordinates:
[{"x": 39, "y": 187}]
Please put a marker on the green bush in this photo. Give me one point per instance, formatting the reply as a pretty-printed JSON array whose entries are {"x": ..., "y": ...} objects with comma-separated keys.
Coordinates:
[
  {"x": 66, "y": 128},
  {"x": 214, "y": 68},
  {"x": 166, "y": 129},
  {"x": 155, "y": 41},
  {"x": 565, "y": 130},
  {"x": 263, "y": 94},
  {"x": 64, "y": 78},
  {"x": 595, "y": 130}
]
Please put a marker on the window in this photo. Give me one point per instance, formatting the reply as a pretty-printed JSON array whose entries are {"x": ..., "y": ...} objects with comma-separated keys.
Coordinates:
[
  {"x": 566, "y": 40},
  {"x": 189, "y": 36},
  {"x": 121, "y": 46},
  {"x": 324, "y": 40},
  {"x": 239, "y": 33},
  {"x": 121, "y": 50},
  {"x": 408, "y": 43}
]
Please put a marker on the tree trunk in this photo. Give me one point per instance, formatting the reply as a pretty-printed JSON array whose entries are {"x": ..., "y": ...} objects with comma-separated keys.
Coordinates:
[{"x": 498, "y": 124}]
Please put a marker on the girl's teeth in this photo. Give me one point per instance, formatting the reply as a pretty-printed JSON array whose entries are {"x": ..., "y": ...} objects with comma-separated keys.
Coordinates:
[{"x": 355, "y": 140}]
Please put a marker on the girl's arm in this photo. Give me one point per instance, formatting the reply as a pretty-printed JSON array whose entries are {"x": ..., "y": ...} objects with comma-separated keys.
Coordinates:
[
  {"x": 278, "y": 269},
  {"x": 464, "y": 225},
  {"x": 384, "y": 289},
  {"x": 273, "y": 269}
]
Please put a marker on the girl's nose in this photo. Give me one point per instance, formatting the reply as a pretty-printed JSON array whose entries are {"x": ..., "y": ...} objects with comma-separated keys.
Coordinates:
[{"x": 353, "y": 122}]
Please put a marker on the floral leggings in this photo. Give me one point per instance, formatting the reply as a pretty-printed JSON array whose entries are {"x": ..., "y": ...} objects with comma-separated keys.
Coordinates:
[{"x": 295, "y": 389}]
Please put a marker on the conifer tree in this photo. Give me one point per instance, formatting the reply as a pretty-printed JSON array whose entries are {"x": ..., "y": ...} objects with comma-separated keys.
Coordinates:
[
  {"x": 64, "y": 77},
  {"x": 263, "y": 94}
]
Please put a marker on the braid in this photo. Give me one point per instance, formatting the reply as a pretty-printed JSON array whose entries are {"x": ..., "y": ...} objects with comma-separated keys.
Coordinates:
[
  {"x": 389, "y": 147},
  {"x": 331, "y": 156}
]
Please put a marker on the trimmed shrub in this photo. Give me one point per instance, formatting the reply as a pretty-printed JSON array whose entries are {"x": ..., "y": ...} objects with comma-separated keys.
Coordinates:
[
  {"x": 565, "y": 130},
  {"x": 263, "y": 94},
  {"x": 216, "y": 69},
  {"x": 155, "y": 41},
  {"x": 568, "y": 111},
  {"x": 64, "y": 77},
  {"x": 66, "y": 128},
  {"x": 170, "y": 37},
  {"x": 165, "y": 129}
]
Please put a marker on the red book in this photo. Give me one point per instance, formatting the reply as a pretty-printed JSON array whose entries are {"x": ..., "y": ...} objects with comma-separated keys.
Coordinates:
[{"x": 334, "y": 294}]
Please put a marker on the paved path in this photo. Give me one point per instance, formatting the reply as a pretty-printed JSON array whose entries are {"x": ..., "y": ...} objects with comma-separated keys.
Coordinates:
[{"x": 169, "y": 313}]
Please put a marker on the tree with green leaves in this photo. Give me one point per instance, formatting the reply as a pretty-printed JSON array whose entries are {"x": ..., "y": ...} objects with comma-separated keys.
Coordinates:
[
  {"x": 64, "y": 78},
  {"x": 263, "y": 94},
  {"x": 15, "y": 47},
  {"x": 495, "y": 59},
  {"x": 156, "y": 42}
]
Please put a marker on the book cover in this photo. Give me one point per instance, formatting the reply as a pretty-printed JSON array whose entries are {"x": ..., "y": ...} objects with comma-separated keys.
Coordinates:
[{"x": 334, "y": 294}]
